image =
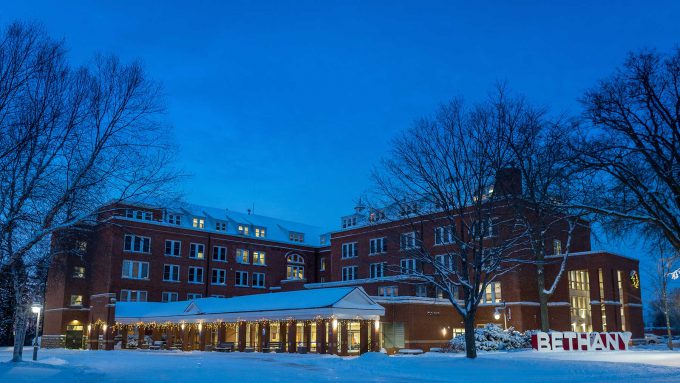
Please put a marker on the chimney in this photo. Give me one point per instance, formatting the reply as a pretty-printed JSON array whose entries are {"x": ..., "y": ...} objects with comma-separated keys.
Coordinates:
[{"x": 508, "y": 182}]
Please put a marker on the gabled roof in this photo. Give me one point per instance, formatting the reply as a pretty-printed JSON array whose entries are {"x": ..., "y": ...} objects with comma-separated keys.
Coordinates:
[{"x": 341, "y": 302}]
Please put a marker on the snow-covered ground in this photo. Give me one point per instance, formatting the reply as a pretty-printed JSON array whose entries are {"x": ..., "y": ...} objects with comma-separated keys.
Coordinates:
[{"x": 57, "y": 366}]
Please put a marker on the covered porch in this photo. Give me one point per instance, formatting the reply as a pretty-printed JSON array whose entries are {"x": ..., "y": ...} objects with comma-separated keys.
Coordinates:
[{"x": 342, "y": 321}]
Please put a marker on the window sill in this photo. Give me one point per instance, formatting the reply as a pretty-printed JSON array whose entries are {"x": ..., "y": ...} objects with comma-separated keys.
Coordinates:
[
  {"x": 174, "y": 256},
  {"x": 195, "y": 283},
  {"x": 241, "y": 286},
  {"x": 218, "y": 284},
  {"x": 219, "y": 260},
  {"x": 259, "y": 264},
  {"x": 135, "y": 279},
  {"x": 259, "y": 287},
  {"x": 170, "y": 281},
  {"x": 198, "y": 259}
]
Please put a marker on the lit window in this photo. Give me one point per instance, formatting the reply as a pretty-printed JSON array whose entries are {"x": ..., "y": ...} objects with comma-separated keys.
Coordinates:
[
  {"x": 135, "y": 270},
  {"x": 219, "y": 254},
  {"x": 349, "y": 273},
  {"x": 137, "y": 244},
  {"x": 295, "y": 268},
  {"x": 169, "y": 297},
  {"x": 78, "y": 272},
  {"x": 349, "y": 250},
  {"x": 195, "y": 274},
  {"x": 243, "y": 229},
  {"x": 260, "y": 232},
  {"x": 388, "y": 291},
  {"x": 173, "y": 248},
  {"x": 492, "y": 293},
  {"x": 198, "y": 223},
  {"x": 322, "y": 264},
  {"x": 258, "y": 280},
  {"x": 76, "y": 300},
  {"x": 242, "y": 279},
  {"x": 259, "y": 258},
  {"x": 171, "y": 273},
  {"x": 377, "y": 246},
  {"x": 377, "y": 270},
  {"x": 242, "y": 256},
  {"x": 219, "y": 277},
  {"x": 220, "y": 226},
  {"x": 557, "y": 247},
  {"x": 197, "y": 251}
]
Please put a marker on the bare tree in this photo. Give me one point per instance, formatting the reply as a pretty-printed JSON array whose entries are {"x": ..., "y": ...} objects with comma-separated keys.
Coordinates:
[
  {"x": 667, "y": 260},
  {"x": 71, "y": 141},
  {"x": 444, "y": 170},
  {"x": 633, "y": 146}
]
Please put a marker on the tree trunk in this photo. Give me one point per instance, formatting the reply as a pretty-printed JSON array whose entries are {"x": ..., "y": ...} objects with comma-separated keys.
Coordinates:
[
  {"x": 470, "y": 346},
  {"x": 543, "y": 298},
  {"x": 664, "y": 295},
  {"x": 19, "y": 334}
]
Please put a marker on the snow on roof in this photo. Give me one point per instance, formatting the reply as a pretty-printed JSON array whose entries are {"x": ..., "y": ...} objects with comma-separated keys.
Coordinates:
[
  {"x": 341, "y": 302},
  {"x": 276, "y": 229}
]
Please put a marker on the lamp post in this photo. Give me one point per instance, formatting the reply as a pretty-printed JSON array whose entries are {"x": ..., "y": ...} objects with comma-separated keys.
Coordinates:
[
  {"x": 36, "y": 308},
  {"x": 497, "y": 316}
]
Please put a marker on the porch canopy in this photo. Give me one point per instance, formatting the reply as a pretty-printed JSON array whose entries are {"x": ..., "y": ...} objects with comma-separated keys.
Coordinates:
[{"x": 349, "y": 303}]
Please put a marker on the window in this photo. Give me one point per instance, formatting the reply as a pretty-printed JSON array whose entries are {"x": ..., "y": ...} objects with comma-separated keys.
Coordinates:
[
  {"x": 486, "y": 227},
  {"x": 557, "y": 247},
  {"x": 349, "y": 222},
  {"x": 295, "y": 268},
  {"x": 322, "y": 264},
  {"x": 137, "y": 244},
  {"x": 260, "y": 232},
  {"x": 198, "y": 223},
  {"x": 349, "y": 273},
  {"x": 259, "y": 258},
  {"x": 619, "y": 280},
  {"x": 602, "y": 299},
  {"x": 377, "y": 270},
  {"x": 171, "y": 273},
  {"x": 191, "y": 296},
  {"x": 296, "y": 237},
  {"x": 349, "y": 250},
  {"x": 195, "y": 274},
  {"x": 408, "y": 266},
  {"x": 242, "y": 278},
  {"x": 243, "y": 229},
  {"x": 242, "y": 256},
  {"x": 139, "y": 214},
  {"x": 445, "y": 261},
  {"x": 219, "y": 277},
  {"x": 78, "y": 272},
  {"x": 216, "y": 296},
  {"x": 492, "y": 293},
  {"x": 76, "y": 300},
  {"x": 443, "y": 235},
  {"x": 197, "y": 251},
  {"x": 258, "y": 280},
  {"x": 421, "y": 290},
  {"x": 221, "y": 226},
  {"x": 579, "y": 299},
  {"x": 174, "y": 219},
  {"x": 408, "y": 241},
  {"x": 172, "y": 248},
  {"x": 388, "y": 291},
  {"x": 169, "y": 297},
  {"x": 133, "y": 296},
  {"x": 323, "y": 239},
  {"x": 377, "y": 246},
  {"x": 219, "y": 254},
  {"x": 135, "y": 269}
]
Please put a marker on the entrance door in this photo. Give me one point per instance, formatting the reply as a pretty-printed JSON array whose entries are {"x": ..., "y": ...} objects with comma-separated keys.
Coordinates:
[{"x": 74, "y": 339}]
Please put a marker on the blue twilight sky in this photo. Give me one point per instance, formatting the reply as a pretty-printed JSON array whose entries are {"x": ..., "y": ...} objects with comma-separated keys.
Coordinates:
[{"x": 287, "y": 105}]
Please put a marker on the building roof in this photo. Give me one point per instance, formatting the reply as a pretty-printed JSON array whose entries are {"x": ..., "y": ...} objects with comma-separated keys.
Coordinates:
[{"x": 341, "y": 303}]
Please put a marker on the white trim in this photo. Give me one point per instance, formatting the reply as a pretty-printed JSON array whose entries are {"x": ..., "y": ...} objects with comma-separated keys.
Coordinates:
[{"x": 592, "y": 252}]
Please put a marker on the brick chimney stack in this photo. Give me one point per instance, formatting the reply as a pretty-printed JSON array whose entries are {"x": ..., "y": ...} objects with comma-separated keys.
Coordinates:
[{"x": 508, "y": 182}]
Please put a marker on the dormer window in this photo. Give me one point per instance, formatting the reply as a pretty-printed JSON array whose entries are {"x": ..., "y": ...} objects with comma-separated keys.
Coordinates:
[
  {"x": 221, "y": 226},
  {"x": 243, "y": 229},
  {"x": 349, "y": 222},
  {"x": 260, "y": 232},
  {"x": 174, "y": 219},
  {"x": 296, "y": 237},
  {"x": 139, "y": 214},
  {"x": 198, "y": 223}
]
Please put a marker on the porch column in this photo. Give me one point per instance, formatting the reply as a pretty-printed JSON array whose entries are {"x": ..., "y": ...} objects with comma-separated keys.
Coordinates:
[
  {"x": 264, "y": 335},
  {"x": 140, "y": 335},
  {"x": 242, "y": 336},
  {"x": 124, "y": 337},
  {"x": 321, "y": 336},
  {"x": 363, "y": 336},
  {"x": 307, "y": 330},
  {"x": 169, "y": 336},
  {"x": 345, "y": 338},
  {"x": 292, "y": 336},
  {"x": 185, "y": 338},
  {"x": 156, "y": 334},
  {"x": 283, "y": 332},
  {"x": 333, "y": 338},
  {"x": 221, "y": 332},
  {"x": 375, "y": 336},
  {"x": 108, "y": 337},
  {"x": 203, "y": 335}
]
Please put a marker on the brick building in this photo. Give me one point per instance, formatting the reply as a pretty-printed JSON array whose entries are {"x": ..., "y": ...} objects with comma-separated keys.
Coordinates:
[{"x": 170, "y": 254}]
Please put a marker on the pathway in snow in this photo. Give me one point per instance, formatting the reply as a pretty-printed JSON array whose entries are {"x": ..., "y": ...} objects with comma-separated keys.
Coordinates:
[{"x": 72, "y": 366}]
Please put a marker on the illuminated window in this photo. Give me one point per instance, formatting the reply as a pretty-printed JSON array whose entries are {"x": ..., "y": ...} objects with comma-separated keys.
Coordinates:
[
  {"x": 259, "y": 258},
  {"x": 579, "y": 298},
  {"x": 198, "y": 223},
  {"x": 242, "y": 256},
  {"x": 322, "y": 264},
  {"x": 260, "y": 232},
  {"x": 619, "y": 277},
  {"x": 603, "y": 308},
  {"x": 557, "y": 247},
  {"x": 76, "y": 300},
  {"x": 295, "y": 268},
  {"x": 243, "y": 229},
  {"x": 388, "y": 291},
  {"x": 197, "y": 251},
  {"x": 492, "y": 293}
]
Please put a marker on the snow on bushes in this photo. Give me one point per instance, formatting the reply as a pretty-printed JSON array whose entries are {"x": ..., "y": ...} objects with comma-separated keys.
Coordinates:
[{"x": 493, "y": 338}]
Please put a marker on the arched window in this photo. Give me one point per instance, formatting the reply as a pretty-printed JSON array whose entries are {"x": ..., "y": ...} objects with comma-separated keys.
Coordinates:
[{"x": 295, "y": 268}]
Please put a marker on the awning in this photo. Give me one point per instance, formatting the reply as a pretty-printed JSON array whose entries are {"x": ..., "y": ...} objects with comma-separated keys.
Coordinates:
[{"x": 339, "y": 303}]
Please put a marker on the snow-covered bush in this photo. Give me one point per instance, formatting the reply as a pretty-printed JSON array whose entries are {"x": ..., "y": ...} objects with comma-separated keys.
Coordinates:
[{"x": 493, "y": 338}]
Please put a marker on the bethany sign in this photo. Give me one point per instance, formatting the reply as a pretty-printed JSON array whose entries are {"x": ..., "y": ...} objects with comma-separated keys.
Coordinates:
[{"x": 580, "y": 341}]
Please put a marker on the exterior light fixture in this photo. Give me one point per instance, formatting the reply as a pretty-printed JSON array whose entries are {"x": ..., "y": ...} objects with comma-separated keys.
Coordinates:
[
  {"x": 200, "y": 326},
  {"x": 376, "y": 324},
  {"x": 334, "y": 323},
  {"x": 36, "y": 308},
  {"x": 443, "y": 331},
  {"x": 496, "y": 315},
  {"x": 182, "y": 326}
]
